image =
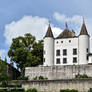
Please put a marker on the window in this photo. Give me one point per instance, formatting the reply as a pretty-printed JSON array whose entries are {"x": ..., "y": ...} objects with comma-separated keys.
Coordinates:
[
  {"x": 74, "y": 59},
  {"x": 61, "y": 41},
  {"x": 64, "y": 51},
  {"x": 57, "y": 52},
  {"x": 74, "y": 51},
  {"x": 58, "y": 61},
  {"x": 69, "y": 41},
  {"x": 87, "y": 50},
  {"x": 64, "y": 60}
]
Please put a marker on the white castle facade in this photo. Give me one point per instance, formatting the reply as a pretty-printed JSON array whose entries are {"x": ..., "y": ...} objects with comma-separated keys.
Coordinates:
[
  {"x": 67, "y": 48},
  {"x": 64, "y": 56}
]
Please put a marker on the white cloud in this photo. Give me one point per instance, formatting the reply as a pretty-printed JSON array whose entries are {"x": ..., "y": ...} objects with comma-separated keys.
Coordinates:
[
  {"x": 74, "y": 21},
  {"x": 63, "y": 18},
  {"x": 37, "y": 26}
]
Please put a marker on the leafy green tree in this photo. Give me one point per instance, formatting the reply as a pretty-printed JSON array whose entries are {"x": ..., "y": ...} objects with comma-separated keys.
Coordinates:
[
  {"x": 4, "y": 76},
  {"x": 38, "y": 50},
  {"x": 25, "y": 51}
]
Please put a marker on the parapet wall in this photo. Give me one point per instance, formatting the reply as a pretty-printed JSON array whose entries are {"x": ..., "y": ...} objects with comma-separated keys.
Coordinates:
[{"x": 58, "y": 72}]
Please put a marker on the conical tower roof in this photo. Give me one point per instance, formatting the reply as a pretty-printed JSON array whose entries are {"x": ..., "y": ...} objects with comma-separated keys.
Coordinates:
[
  {"x": 49, "y": 32},
  {"x": 83, "y": 29}
]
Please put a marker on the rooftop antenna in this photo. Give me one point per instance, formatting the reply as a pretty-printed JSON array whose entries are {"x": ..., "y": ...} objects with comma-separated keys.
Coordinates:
[
  {"x": 83, "y": 21},
  {"x": 49, "y": 22},
  {"x": 66, "y": 25}
]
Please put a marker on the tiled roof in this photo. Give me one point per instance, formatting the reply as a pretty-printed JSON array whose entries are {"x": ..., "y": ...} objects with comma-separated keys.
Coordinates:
[
  {"x": 83, "y": 29},
  {"x": 66, "y": 34},
  {"x": 49, "y": 32}
]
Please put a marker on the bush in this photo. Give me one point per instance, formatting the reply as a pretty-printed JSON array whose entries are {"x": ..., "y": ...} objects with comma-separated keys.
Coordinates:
[
  {"x": 35, "y": 78},
  {"x": 40, "y": 78},
  {"x": 32, "y": 90},
  {"x": 1, "y": 90},
  {"x": 12, "y": 90},
  {"x": 22, "y": 78},
  {"x": 82, "y": 76},
  {"x": 6, "y": 85},
  {"x": 68, "y": 90},
  {"x": 90, "y": 90},
  {"x": 17, "y": 90}
]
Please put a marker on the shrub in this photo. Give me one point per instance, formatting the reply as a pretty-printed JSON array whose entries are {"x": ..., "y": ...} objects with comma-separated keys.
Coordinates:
[
  {"x": 68, "y": 90},
  {"x": 82, "y": 76},
  {"x": 6, "y": 85},
  {"x": 1, "y": 90},
  {"x": 40, "y": 78},
  {"x": 35, "y": 78},
  {"x": 17, "y": 90},
  {"x": 32, "y": 90},
  {"x": 90, "y": 90},
  {"x": 22, "y": 78}
]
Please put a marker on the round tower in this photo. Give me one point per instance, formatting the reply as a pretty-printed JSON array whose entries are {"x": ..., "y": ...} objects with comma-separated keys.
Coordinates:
[
  {"x": 48, "y": 48},
  {"x": 83, "y": 45}
]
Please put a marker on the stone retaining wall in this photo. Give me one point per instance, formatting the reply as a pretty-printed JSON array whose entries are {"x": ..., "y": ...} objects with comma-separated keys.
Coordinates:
[
  {"x": 82, "y": 85},
  {"x": 58, "y": 72}
]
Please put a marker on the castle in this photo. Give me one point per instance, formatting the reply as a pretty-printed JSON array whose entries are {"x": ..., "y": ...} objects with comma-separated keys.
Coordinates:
[
  {"x": 64, "y": 56},
  {"x": 67, "y": 48}
]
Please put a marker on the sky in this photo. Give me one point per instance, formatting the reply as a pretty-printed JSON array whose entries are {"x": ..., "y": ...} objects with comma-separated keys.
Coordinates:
[{"x": 18, "y": 17}]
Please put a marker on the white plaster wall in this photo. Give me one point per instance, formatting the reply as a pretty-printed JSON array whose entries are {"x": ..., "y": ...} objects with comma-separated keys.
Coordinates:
[
  {"x": 90, "y": 60},
  {"x": 83, "y": 45},
  {"x": 49, "y": 51},
  {"x": 66, "y": 45}
]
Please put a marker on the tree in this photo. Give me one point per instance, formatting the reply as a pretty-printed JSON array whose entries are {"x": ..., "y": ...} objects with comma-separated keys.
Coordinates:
[
  {"x": 25, "y": 51},
  {"x": 4, "y": 76}
]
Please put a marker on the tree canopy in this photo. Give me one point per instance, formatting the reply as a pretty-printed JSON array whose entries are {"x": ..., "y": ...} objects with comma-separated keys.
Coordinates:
[
  {"x": 25, "y": 51},
  {"x": 4, "y": 76}
]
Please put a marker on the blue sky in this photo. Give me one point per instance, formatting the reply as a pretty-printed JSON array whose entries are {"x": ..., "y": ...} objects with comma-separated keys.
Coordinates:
[{"x": 20, "y": 16}]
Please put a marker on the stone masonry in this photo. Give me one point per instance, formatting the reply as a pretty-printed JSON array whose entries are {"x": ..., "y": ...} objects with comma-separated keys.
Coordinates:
[{"x": 58, "y": 72}]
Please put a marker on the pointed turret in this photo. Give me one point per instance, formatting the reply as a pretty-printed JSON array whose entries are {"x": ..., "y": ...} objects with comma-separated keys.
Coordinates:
[
  {"x": 83, "y": 44},
  {"x": 83, "y": 29},
  {"x": 49, "y": 32},
  {"x": 48, "y": 48}
]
